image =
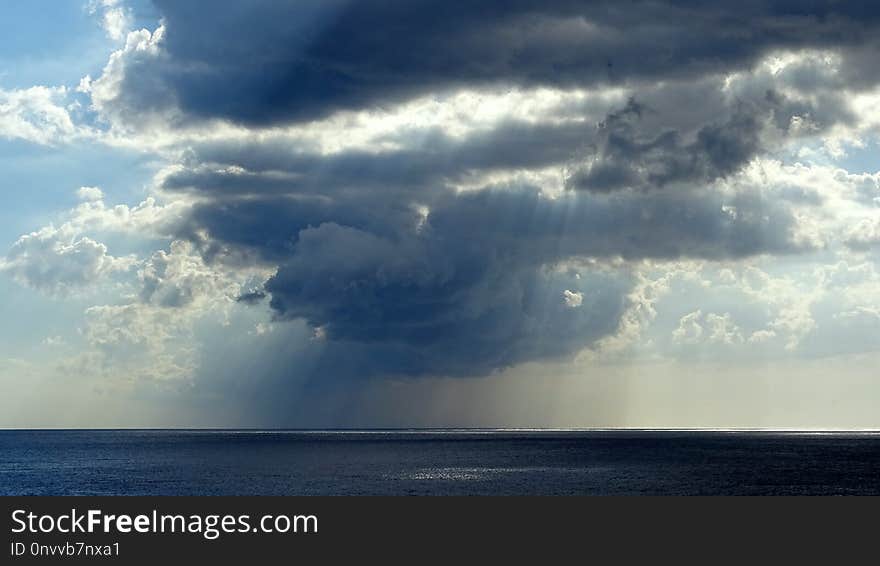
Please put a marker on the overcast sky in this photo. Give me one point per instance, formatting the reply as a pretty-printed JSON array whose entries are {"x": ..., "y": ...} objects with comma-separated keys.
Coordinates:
[{"x": 338, "y": 213}]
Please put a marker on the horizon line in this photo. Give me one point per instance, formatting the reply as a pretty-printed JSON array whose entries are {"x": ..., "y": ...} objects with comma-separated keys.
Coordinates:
[{"x": 442, "y": 429}]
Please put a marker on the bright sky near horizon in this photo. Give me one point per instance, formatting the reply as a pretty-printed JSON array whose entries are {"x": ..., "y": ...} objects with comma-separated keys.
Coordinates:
[{"x": 501, "y": 214}]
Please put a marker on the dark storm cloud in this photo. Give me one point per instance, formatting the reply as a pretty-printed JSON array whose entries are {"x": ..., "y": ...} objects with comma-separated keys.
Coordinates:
[
  {"x": 413, "y": 310},
  {"x": 251, "y": 297},
  {"x": 269, "y": 226},
  {"x": 272, "y": 61},
  {"x": 474, "y": 286},
  {"x": 628, "y": 159},
  {"x": 520, "y": 221},
  {"x": 399, "y": 272},
  {"x": 633, "y": 226},
  {"x": 650, "y": 142},
  {"x": 643, "y": 146},
  {"x": 422, "y": 165}
]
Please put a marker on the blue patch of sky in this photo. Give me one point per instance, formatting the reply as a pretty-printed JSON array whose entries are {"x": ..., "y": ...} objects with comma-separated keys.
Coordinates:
[
  {"x": 57, "y": 42},
  {"x": 39, "y": 183},
  {"x": 862, "y": 159},
  {"x": 855, "y": 159}
]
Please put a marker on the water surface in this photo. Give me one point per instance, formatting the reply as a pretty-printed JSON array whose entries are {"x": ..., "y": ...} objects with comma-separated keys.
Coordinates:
[{"x": 436, "y": 463}]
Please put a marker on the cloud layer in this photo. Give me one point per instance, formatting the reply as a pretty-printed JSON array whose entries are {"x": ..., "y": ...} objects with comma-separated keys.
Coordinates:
[
  {"x": 276, "y": 61},
  {"x": 449, "y": 252},
  {"x": 432, "y": 189}
]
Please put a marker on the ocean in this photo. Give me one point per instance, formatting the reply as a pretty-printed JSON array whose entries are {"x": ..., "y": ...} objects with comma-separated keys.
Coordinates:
[{"x": 449, "y": 462}]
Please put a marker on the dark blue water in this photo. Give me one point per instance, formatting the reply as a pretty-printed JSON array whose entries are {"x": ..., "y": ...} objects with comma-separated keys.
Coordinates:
[{"x": 435, "y": 463}]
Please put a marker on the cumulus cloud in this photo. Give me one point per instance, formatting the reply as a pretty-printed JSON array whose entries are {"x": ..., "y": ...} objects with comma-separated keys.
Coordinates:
[
  {"x": 116, "y": 19},
  {"x": 61, "y": 259},
  {"x": 149, "y": 334},
  {"x": 133, "y": 342},
  {"x": 57, "y": 261},
  {"x": 37, "y": 114},
  {"x": 178, "y": 278},
  {"x": 760, "y": 309},
  {"x": 148, "y": 219},
  {"x": 572, "y": 299},
  {"x": 864, "y": 235},
  {"x": 90, "y": 194},
  {"x": 112, "y": 95}
]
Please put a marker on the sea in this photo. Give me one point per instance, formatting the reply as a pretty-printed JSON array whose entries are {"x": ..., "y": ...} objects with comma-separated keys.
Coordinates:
[{"x": 438, "y": 462}]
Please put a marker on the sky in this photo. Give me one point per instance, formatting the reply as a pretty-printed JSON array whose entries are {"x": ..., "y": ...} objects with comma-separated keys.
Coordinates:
[{"x": 337, "y": 213}]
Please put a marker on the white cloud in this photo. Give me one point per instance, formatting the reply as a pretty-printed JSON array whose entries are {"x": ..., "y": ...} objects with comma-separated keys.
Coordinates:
[
  {"x": 712, "y": 328},
  {"x": 58, "y": 261},
  {"x": 864, "y": 235},
  {"x": 689, "y": 330},
  {"x": 148, "y": 219},
  {"x": 573, "y": 299},
  {"x": 761, "y": 336},
  {"x": 138, "y": 342},
  {"x": 37, "y": 114},
  {"x": 89, "y": 194},
  {"x": 151, "y": 334},
  {"x": 261, "y": 329},
  {"x": 133, "y": 122},
  {"x": 653, "y": 282},
  {"x": 63, "y": 259},
  {"x": 54, "y": 341},
  {"x": 722, "y": 329},
  {"x": 862, "y": 312},
  {"x": 180, "y": 278},
  {"x": 116, "y": 19}
]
